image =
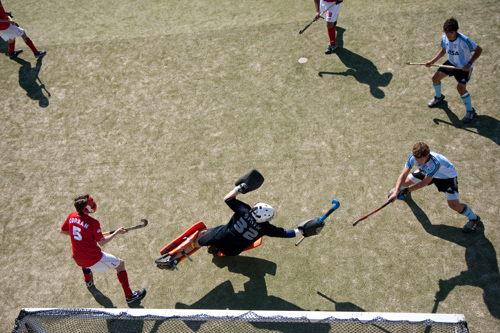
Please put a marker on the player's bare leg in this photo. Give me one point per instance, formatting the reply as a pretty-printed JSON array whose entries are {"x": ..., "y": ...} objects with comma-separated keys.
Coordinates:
[{"x": 456, "y": 205}]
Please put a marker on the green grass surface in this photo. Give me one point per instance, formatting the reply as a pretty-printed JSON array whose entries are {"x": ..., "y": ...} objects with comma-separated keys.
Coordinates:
[{"x": 156, "y": 108}]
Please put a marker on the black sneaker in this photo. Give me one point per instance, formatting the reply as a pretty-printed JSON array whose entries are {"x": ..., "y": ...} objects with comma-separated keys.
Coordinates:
[
  {"x": 40, "y": 54},
  {"x": 435, "y": 101},
  {"x": 212, "y": 250},
  {"x": 330, "y": 49},
  {"x": 136, "y": 296},
  {"x": 15, "y": 54},
  {"x": 166, "y": 262},
  {"x": 471, "y": 225},
  {"x": 90, "y": 283},
  {"x": 469, "y": 116}
]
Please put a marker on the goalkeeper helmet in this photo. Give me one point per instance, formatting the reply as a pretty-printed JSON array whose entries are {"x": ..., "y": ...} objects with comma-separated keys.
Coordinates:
[{"x": 262, "y": 212}]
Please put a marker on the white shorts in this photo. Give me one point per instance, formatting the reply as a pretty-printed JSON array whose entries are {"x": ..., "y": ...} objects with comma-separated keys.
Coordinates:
[
  {"x": 107, "y": 261},
  {"x": 332, "y": 14},
  {"x": 11, "y": 33}
]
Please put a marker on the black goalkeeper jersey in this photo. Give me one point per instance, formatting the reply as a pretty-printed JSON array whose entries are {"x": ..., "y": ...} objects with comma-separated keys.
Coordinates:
[{"x": 242, "y": 230}]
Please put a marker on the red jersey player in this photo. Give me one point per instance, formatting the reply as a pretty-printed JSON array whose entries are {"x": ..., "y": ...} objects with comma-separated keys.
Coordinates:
[
  {"x": 330, "y": 17},
  {"x": 9, "y": 30},
  {"x": 86, "y": 234}
]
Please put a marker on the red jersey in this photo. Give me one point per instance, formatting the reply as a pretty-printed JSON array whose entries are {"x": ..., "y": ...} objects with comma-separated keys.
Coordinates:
[
  {"x": 3, "y": 25},
  {"x": 85, "y": 232}
]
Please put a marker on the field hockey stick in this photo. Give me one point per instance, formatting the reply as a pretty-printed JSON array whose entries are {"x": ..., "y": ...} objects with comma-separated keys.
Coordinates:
[
  {"x": 317, "y": 18},
  {"x": 43, "y": 86},
  {"x": 336, "y": 205},
  {"x": 144, "y": 223},
  {"x": 9, "y": 14},
  {"x": 443, "y": 66},
  {"x": 376, "y": 210}
]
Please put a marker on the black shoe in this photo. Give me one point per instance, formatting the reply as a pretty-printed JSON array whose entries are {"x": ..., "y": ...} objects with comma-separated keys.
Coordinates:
[
  {"x": 471, "y": 225},
  {"x": 40, "y": 54},
  {"x": 433, "y": 102},
  {"x": 166, "y": 262},
  {"x": 469, "y": 116},
  {"x": 136, "y": 296},
  {"x": 15, "y": 54},
  {"x": 330, "y": 49},
  {"x": 212, "y": 250}
]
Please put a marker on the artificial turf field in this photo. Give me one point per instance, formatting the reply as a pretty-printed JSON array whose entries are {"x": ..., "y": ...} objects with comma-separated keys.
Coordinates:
[{"x": 156, "y": 108}]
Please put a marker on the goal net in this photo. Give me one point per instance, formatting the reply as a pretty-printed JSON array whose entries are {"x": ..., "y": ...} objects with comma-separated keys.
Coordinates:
[{"x": 156, "y": 320}]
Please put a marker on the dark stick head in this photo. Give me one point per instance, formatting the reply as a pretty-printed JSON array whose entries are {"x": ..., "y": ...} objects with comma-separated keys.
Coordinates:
[{"x": 144, "y": 222}]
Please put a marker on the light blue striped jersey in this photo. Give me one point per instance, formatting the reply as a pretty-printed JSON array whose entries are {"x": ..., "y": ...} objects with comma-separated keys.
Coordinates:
[
  {"x": 437, "y": 166},
  {"x": 460, "y": 50}
]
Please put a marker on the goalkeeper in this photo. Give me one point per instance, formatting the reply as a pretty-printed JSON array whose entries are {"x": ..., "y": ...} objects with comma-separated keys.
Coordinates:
[{"x": 246, "y": 226}]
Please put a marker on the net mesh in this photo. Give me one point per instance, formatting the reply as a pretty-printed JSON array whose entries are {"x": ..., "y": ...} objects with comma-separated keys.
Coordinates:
[{"x": 123, "y": 321}]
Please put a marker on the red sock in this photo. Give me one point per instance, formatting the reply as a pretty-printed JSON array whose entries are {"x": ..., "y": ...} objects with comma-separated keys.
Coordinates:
[
  {"x": 332, "y": 34},
  {"x": 87, "y": 277},
  {"x": 11, "y": 45},
  {"x": 31, "y": 46},
  {"x": 123, "y": 278}
]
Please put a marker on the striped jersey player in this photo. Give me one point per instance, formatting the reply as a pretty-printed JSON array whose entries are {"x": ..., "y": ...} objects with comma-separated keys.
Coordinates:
[
  {"x": 462, "y": 52},
  {"x": 433, "y": 168}
]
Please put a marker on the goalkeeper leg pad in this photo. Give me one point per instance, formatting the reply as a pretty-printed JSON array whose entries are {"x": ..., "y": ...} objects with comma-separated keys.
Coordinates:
[
  {"x": 187, "y": 243},
  {"x": 200, "y": 226}
]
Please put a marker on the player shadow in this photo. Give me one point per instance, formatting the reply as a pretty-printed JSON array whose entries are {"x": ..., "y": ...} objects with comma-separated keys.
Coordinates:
[
  {"x": 361, "y": 68},
  {"x": 480, "y": 256},
  {"x": 129, "y": 325},
  {"x": 28, "y": 77},
  {"x": 350, "y": 307},
  {"x": 342, "y": 306},
  {"x": 485, "y": 125},
  {"x": 100, "y": 298},
  {"x": 254, "y": 296},
  {"x": 117, "y": 325}
]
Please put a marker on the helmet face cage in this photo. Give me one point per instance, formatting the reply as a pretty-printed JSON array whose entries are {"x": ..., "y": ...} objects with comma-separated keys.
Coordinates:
[
  {"x": 91, "y": 206},
  {"x": 262, "y": 212}
]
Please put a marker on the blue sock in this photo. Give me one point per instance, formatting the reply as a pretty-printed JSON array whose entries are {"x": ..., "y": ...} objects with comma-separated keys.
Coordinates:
[
  {"x": 437, "y": 89},
  {"x": 469, "y": 213},
  {"x": 467, "y": 101}
]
